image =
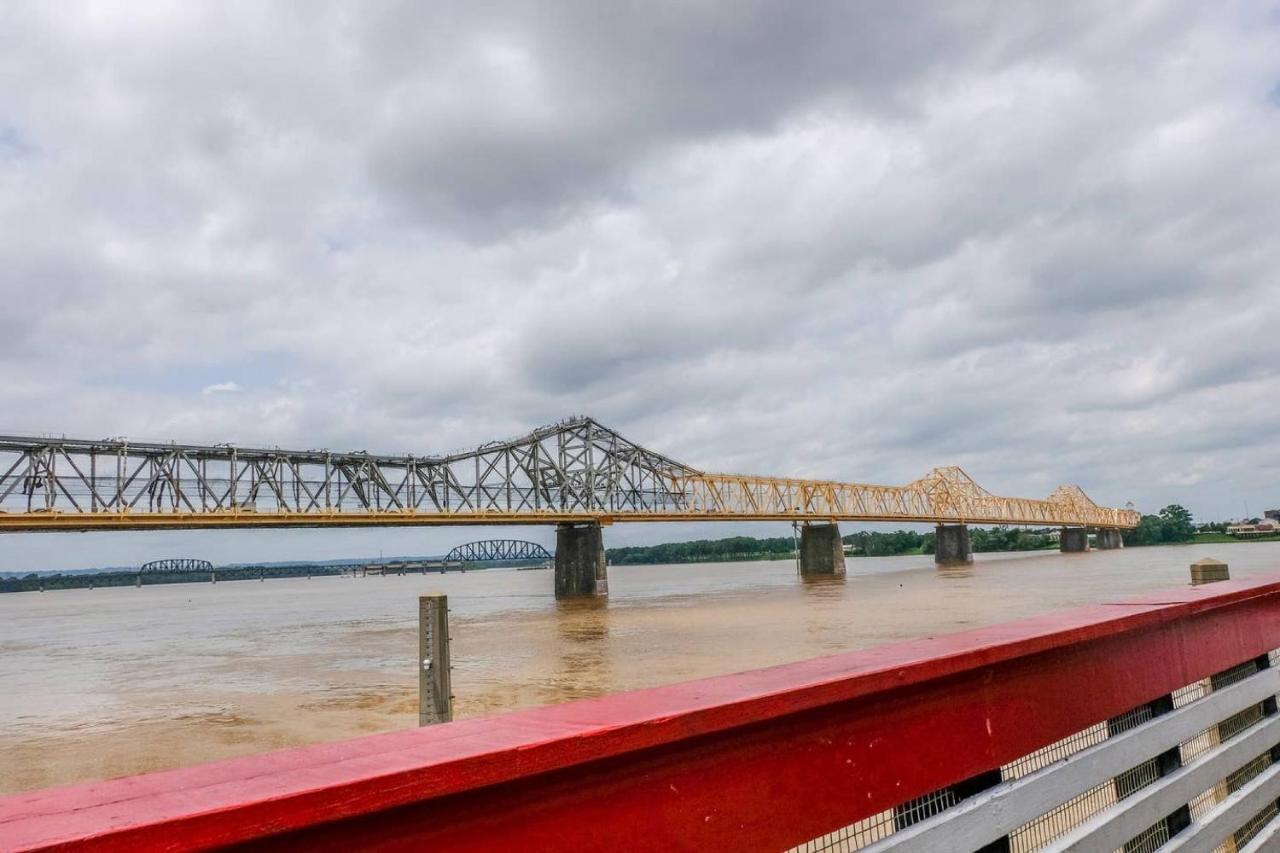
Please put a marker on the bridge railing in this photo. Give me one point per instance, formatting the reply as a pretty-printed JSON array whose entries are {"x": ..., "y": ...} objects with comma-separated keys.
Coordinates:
[{"x": 1118, "y": 725}]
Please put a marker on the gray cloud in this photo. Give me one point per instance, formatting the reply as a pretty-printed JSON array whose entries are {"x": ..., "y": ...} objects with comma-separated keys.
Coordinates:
[{"x": 808, "y": 238}]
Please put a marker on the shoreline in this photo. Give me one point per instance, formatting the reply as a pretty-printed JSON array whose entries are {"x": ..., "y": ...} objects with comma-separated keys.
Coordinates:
[{"x": 52, "y": 581}]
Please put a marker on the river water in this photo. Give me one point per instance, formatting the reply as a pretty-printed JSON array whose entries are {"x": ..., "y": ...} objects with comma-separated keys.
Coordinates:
[{"x": 113, "y": 681}]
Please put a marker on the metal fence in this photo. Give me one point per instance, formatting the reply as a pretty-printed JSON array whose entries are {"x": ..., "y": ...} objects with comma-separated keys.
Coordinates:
[{"x": 1208, "y": 779}]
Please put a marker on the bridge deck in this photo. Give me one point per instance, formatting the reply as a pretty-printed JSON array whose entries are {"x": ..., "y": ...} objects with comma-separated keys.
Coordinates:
[
  {"x": 72, "y": 521},
  {"x": 574, "y": 471}
]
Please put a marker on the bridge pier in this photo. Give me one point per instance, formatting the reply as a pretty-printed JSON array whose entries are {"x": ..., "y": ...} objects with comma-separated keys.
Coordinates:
[
  {"x": 1107, "y": 539},
  {"x": 580, "y": 564},
  {"x": 951, "y": 545},
  {"x": 821, "y": 551},
  {"x": 1073, "y": 540}
]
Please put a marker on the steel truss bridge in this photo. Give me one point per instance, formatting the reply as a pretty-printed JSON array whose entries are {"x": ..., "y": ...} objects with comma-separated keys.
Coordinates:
[
  {"x": 498, "y": 551},
  {"x": 573, "y": 471},
  {"x": 175, "y": 566}
]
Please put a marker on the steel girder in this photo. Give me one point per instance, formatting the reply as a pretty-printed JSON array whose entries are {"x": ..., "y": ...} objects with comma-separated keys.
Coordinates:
[{"x": 575, "y": 470}]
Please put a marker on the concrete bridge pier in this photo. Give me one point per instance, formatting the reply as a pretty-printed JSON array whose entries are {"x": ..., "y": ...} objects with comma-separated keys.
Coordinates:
[
  {"x": 1073, "y": 540},
  {"x": 821, "y": 551},
  {"x": 1107, "y": 539},
  {"x": 579, "y": 564},
  {"x": 951, "y": 545}
]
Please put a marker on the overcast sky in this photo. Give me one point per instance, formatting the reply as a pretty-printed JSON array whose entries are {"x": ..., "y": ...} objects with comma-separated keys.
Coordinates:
[{"x": 841, "y": 240}]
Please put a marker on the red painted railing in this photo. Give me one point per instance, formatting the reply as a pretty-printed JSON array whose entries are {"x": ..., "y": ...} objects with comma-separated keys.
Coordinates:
[{"x": 758, "y": 760}]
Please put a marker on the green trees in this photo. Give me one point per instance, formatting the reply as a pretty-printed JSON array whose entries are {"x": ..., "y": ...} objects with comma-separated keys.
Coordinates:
[
  {"x": 864, "y": 543},
  {"x": 1007, "y": 539},
  {"x": 704, "y": 551},
  {"x": 875, "y": 544},
  {"x": 33, "y": 582},
  {"x": 869, "y": 543},
  {"x": 1176, "y": 524},
  {"x": 1173, "y": 524}
]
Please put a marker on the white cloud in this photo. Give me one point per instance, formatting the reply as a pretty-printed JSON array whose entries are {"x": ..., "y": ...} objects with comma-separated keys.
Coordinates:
[
  {"x": 1035, "y": 241},
  {"x": 220, "y": 388}
]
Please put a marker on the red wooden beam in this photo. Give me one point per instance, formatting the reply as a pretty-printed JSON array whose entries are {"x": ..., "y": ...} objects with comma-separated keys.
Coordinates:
[{"x": 761, "y": 759}]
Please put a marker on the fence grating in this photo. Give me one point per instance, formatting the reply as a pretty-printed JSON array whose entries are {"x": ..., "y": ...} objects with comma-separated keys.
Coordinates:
[{"x": 1061, "y": 820}]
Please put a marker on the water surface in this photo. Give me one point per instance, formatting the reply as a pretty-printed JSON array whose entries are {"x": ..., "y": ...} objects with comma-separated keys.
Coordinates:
[{"x": 105, "y": 682}]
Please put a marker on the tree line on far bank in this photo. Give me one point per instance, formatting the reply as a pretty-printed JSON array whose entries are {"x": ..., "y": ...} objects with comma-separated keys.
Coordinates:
[
  {"x": 867, "y": 543},
  {"x": 704, "y": 551},
  {"x": 91, "y": 580},
  {"x": 1171, "y": 525},
  {"x": 981, "y": 540}
]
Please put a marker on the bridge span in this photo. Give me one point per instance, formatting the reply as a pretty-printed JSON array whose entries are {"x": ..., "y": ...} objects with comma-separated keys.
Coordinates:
[
  {"x": 577, "y": 474},
  {"x": 499, "y": 551}
]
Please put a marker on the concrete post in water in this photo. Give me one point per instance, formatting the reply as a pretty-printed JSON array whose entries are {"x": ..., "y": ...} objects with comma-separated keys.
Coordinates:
[
  {"x": 821, "y": 551},
  {"x": 1107, "y": 539},
  {"x": 951, "y": 545},
  {"x": 1209, "y": 570},
  {"x": 580, "y": 564},
  {"x": 1073, "y": 540},
  {"x": 435, "y": 701}
]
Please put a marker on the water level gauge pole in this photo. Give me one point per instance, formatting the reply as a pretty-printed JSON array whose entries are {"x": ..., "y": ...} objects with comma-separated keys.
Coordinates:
[{"x": 435, "y": 701}]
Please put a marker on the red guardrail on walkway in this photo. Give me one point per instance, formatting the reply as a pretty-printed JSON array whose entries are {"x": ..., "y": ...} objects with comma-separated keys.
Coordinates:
[{"x": 757, "y": 760}]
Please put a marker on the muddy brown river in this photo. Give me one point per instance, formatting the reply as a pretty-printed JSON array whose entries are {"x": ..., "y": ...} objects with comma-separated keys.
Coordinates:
[{"x": 102, "y": 683}]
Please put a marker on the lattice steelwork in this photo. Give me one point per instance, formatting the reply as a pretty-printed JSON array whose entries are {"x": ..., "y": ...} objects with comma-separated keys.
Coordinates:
[
  {"x": 576, "y": 470},
  {"x": 1053, "y": 830},
  {"x": 496, "y": 551},
  {"x": 183, "y": 564}
]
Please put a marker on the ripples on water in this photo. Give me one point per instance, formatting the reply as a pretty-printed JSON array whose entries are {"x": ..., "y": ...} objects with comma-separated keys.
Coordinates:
[{"x": 238, "y": 667}]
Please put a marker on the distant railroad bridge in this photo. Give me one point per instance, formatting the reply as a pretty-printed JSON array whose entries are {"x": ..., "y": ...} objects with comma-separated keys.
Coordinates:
[
  {"x": 499, "y": 551},
  {"x": 182, "y": 564}
]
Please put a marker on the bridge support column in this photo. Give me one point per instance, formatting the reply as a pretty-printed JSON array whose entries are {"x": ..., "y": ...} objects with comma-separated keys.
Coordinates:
[
  {"x": 580, "y": 564},
  {"x": 821, "y": 551},
  {"x": 1107, "y": 539},
  {"x": 951, "y": 545},
  {"x": 1073, "y": 540}
]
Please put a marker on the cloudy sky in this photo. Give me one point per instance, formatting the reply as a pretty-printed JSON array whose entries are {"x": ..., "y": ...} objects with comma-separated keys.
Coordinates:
[{"x": 843, "y": 240}]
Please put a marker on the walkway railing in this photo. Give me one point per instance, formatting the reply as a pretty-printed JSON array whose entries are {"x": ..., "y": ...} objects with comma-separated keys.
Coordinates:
[{"x": 1145, "y": 721}]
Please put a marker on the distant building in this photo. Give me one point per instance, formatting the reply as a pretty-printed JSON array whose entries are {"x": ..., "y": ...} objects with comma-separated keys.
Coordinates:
[
  {"x": 1248, "y": 531},
  {"x": 1273, "y": 514}
]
